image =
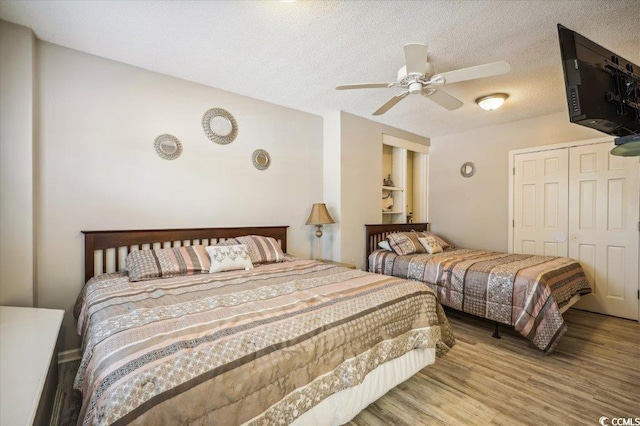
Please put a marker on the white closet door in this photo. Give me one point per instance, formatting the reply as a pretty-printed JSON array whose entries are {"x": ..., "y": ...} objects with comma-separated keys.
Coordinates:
[
  {"x": 541, "y": 203},
  {"x": 603, "y": 227}
]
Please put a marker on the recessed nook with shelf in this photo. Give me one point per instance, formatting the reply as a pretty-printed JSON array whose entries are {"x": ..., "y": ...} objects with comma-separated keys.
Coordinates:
[{"x": 405, "y": 164}]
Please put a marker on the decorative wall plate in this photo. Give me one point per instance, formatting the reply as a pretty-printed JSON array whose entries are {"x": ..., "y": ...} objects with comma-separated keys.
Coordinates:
[
  {"x": 167, "y": 147},
  {"x": 261, "y": 159},
  {"x": 468, "y": 169},
  {"x": 219, "y": 126}
]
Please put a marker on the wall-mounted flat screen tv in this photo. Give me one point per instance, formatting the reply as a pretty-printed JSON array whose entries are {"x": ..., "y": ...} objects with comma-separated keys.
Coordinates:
[{"x": 602, "y": 87}]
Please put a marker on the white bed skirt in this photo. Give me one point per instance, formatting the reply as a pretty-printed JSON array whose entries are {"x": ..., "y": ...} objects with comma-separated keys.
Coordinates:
[
  {"x": 343, "y": 406},
  {"x": 570, "y": 303}
]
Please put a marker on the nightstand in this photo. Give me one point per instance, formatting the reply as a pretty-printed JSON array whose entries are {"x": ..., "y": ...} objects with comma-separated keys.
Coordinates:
[
  {"x": 29, "y": 368},
  {"x": 344, "y": 265}
]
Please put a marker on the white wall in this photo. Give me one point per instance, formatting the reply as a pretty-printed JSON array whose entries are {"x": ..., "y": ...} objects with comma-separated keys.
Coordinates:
[
  {"x": 332, "y": 176},
  {"x": 17, "y": 50},
  {"x": 473, "y": 212},
  {"x": 361, "y": 181},
  {"x": 98, "y": 169}
]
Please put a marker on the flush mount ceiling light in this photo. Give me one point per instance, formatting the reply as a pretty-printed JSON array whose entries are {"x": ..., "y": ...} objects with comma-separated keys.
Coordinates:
[{"x": 491, "y": 102}]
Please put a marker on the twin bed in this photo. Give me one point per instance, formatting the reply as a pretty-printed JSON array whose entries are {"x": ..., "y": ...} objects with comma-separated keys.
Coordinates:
[
  {"x": 527, "y": 292},
  {"x": 293, "y": 341}
]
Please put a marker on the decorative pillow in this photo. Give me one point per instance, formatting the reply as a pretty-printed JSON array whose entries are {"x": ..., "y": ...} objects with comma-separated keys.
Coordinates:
[
  {"x": 442, "y": 243},
  {"x": 430, "y": 244},
  {"x": 262, "y": 249},
  {"x": 404, "y": 243},
  {"x": 384, "y": 245},
  {"x": 229, "y": 258},
  {"x": 169, "y": 262}
]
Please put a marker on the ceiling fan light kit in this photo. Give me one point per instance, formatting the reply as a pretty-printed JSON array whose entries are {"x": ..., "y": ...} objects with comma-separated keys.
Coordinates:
[
  {"x": 418, "y": 77},
  {"x": 627, "y": 146},
  {"x": 491, "y": 102}
]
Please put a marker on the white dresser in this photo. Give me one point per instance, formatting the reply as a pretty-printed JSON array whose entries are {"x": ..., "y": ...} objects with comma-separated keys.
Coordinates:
[{"x": 28, "y": 364}]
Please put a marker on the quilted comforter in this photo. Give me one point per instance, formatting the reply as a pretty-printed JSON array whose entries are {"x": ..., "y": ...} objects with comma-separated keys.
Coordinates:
[
  {"x": 261, "y": 346},
  {"x": 524, "y": 291}
]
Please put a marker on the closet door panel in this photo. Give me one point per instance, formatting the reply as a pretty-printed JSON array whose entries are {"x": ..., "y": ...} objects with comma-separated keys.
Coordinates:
[
  {"x": 604, "y": 204},
  {"x": 587, "y": 204},
  {"x": 587, "y": 258},
  {"x": 541, "y": 203}
]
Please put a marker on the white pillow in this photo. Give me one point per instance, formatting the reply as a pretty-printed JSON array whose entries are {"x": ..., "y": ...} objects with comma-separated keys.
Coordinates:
[
  {"x": 430, "y": 244},
  {"x": 384, "y": 245},
  {"x": 229, "y": 258}
]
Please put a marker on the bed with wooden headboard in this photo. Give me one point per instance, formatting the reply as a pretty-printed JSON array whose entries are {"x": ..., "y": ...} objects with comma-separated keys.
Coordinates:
[
  {"x": 526, "y": 291},
  {"x": 298, "y": 341},
  {"x": 377, "y": 233},
  {"x": 105, "y": 251}
]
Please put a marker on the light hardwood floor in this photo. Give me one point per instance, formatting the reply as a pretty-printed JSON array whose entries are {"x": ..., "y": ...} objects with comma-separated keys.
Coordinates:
[{"x": 594, "y": 372}]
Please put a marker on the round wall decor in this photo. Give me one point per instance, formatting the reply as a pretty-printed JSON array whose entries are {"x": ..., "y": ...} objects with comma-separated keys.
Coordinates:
[
  {"x": 468, "y": 169},
  {"x": 261, "y": 159},
  {"x": 219, "y": 126},
  {"x": 167, "y": 147}
]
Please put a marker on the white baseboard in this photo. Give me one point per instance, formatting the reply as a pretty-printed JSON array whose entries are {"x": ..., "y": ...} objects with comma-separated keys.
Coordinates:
[{"x": 70, "y": 355}]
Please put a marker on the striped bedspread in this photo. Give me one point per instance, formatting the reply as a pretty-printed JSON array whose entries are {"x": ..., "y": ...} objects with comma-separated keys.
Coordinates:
[
  {"x": 524, "y": 291},
  {"x": 261, "y": 346}
]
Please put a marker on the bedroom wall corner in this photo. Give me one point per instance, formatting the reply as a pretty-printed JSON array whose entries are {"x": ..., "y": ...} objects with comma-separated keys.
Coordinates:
[
  {"x": 332, "y": 177},
  {"x": 98, "y": 169},
  {"x": 473, "y": 212},
  {"x": 361, "y": 182},
  {"x": 17, "y": 210}
]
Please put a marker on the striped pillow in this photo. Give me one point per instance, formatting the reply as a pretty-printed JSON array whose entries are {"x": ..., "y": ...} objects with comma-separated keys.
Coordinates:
[
  {"x": 229, "y": 242},
  {"x": 169, "y": 262},
  {"x": 404, "y": 243},
  {"x": 262, "y": 249}
]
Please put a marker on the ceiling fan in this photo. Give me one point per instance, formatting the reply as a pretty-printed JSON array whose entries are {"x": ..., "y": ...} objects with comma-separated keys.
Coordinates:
[{"x": 418, "y": 76}]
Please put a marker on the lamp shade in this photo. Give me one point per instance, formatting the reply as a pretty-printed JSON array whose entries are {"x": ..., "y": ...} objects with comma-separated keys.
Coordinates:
[{"x": 319, "y": 215}]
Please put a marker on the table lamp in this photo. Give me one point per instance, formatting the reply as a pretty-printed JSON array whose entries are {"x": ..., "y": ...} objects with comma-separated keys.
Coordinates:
[{"x": 318, "y": 217}]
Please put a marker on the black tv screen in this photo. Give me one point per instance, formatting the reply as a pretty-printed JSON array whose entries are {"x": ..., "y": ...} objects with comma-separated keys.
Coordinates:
[{"x": 602, "y": 87}]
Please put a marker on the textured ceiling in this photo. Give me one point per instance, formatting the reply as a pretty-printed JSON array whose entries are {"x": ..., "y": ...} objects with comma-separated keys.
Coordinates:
[{"x": 295, "y": 53}]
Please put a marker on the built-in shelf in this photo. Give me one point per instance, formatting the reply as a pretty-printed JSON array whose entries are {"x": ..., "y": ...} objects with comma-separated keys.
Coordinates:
[{"x": 404, "y": 167}]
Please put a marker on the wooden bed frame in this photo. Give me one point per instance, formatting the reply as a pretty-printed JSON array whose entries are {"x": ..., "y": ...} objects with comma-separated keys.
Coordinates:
[
  {"x": 377, "y": 233},
  {"x": 105, "y": 251}
]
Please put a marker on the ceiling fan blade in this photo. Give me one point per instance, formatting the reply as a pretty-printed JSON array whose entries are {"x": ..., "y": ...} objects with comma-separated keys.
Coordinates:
[
  {"x": 363, "y": 86},
  {"x": 390, "y": 103},
  {"x": 443, "y": 99},
  {"x": 471, "y": 73},
  {"x": 415, "y": 56}
]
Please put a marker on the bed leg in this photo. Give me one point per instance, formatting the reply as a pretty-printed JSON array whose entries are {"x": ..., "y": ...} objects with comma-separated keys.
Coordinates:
[{"x": 496, "y": 333}]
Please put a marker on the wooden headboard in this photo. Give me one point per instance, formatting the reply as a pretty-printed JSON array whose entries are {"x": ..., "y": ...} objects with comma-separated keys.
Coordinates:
[
  {"x": 105, "y": 251},
  {"x": 377, "y": 233}
]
